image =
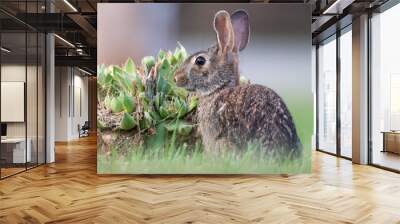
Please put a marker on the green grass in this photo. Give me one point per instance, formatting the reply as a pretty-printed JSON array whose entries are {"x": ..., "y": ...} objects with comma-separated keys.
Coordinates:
[
  {"x": 181, "y": 162},
  {"x": 173, "y": 158}
]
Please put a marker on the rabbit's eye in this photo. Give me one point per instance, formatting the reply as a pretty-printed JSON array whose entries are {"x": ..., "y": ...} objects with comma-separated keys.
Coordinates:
[{"x": 200, "y": 60}]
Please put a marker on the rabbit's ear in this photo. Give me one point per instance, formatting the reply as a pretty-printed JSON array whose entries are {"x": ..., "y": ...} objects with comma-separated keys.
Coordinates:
[
  {"x": 223, "y": 28},
  {"x": 241, "y": 28}
]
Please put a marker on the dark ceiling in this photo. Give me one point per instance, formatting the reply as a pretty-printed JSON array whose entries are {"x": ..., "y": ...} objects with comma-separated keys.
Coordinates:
[{"x": 75, "y": 23}]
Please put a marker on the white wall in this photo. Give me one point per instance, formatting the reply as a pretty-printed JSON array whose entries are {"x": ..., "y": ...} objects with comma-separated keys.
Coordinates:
[
  {"x": 61, "y": 103},
  {"x": 70, "y": 83},
  {"x": 79, "y": 117}
]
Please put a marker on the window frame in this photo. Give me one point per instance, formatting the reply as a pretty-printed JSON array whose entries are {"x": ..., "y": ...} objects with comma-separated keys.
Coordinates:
[{"x": 334, "y": 37}]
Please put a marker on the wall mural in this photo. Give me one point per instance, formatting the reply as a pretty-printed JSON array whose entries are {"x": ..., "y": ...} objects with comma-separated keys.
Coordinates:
[{"x": 221, "y": 110}]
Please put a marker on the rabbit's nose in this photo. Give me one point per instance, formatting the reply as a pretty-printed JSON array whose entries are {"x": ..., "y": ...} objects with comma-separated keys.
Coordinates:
[{"x": 180, "y": 79}]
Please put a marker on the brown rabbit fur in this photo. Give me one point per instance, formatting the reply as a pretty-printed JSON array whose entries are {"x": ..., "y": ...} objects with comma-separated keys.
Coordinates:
[{"x": 230, "y": 115}]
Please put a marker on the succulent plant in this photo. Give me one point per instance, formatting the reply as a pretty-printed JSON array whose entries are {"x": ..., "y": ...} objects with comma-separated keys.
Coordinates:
[{"x": 143, "y": 96}]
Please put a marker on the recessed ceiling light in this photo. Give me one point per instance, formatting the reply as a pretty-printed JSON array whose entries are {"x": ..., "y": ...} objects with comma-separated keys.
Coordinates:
[
  {"x": 338, "y": 6},
  {"x": 84, "y": 71},
  {"x": 5, "y": 50},
  {"x": 70, "y": 5},
  {"x": 64, "y": 40}
]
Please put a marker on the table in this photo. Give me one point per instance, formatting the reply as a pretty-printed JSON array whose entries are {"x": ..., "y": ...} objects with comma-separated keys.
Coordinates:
[
  {"x": 391, "y": 141},
  {"x": 13, "y": 150}
]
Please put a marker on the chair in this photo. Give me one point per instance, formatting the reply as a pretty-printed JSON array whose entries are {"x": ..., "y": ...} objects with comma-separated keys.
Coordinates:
[{"x": 84, "y": 130}]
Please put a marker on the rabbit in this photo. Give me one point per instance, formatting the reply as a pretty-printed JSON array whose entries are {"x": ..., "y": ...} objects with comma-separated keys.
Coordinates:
[{"x": 229, "y": 115}]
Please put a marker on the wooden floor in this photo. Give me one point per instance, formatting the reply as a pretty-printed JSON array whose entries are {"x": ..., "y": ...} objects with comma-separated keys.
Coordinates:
[
  {"x": 387, "y": 159},
  {"x": 5, "y": 172},
  {"x": 70, "y": 191}
]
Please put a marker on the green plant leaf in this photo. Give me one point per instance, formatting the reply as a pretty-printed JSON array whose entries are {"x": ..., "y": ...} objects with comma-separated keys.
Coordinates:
[
  {"x": 161, "y": 55},
  {"x": 181, "y": 127},
  {"x": 108, "y": 76},
  {"x": 180, "y": 53},
  {"x": 163, "y": 112},
  {"x": 155, "y": 116},
  {"x": 128, "y": 103},
  {"x": 180, "y": 92},
  {"x": 138, "y": 83},
  {"x": 157, "y": 140},
  {"x": 122, "y": 81},
  {"x": 173, "y": 60},
  {"x": 147, "y": 121},
  {"x": 163, "y": 86},
  {"x": 116, "y": 105},
  {"x": 159, "y": 99},
  {"x": 183, "y": 51},
  {"x": 127, "y": 122},
  {"x": 181, "y": 107},
  {"x": 117, "y": 71},
  {"x": 148, "y": 62},
  {"x": 100, "y": 124},
  {"x": 101, "y": 74},
  {"x": 164, "y": 70},
  {"x": 130, "y": 66},
  {"x": 194, "y": 101},
  {"x": 107, "y": 102}
]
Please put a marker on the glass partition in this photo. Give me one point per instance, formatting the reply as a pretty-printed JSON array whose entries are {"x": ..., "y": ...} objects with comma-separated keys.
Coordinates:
[
  {"x": 327, "y": 95},
  {"x": 346, "y": 92},
  {"x": 41, "y": 96},
  {"x": 385, "y": 89},
  {"x": 31, "y": 97},
  {"x": 22, "y": 101},
  {"x": 334, "y": 96},
  {"x": 14, "y": 155}
]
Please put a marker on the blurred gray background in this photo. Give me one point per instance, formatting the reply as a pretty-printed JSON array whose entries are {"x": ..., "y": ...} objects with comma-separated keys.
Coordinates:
[{"x": 278, "y": 54}]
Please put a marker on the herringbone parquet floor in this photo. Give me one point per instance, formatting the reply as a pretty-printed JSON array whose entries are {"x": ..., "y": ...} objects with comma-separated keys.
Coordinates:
[{"x": 70, "y": 191}]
